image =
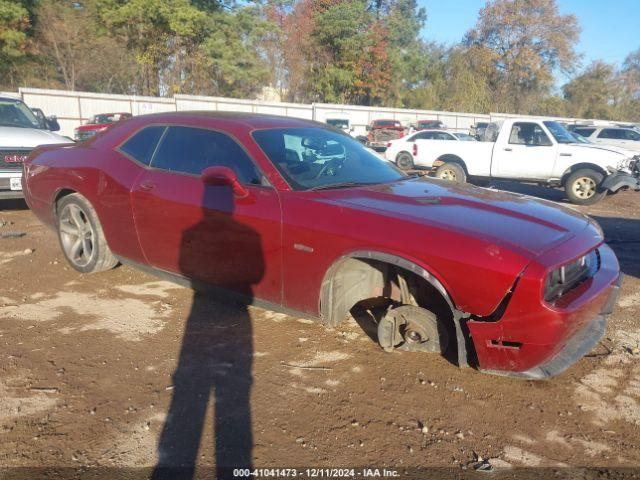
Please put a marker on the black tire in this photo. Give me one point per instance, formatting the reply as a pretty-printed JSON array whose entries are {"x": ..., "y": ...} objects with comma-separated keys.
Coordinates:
[
  {"x": 81, "y": 236},
  {"x": 452, "y": 172},
  {"x": 583, "y": 187},
  {"x": 404, "y": 160}
]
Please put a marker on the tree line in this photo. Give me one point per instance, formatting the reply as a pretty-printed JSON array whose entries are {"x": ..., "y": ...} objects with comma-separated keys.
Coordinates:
[{"x": 366, "y": 52}]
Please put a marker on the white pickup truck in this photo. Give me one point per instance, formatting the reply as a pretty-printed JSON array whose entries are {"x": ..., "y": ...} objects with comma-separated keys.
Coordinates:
[{"x": 537, "y": 151}]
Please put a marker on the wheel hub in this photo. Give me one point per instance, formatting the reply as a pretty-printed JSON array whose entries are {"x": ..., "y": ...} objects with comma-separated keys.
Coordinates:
[
  {"x": 448, "y": 175},
  {"x": 412, "y": 328}
]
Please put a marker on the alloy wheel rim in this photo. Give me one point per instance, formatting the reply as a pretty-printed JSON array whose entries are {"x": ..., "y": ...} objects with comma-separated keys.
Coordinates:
[
  {"x": 584, "y": 187},
  {"x": 77, "y": 235}
]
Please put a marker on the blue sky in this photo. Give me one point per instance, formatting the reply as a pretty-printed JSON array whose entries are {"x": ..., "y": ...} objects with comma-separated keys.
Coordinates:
[{"x": 610, "y": 30}]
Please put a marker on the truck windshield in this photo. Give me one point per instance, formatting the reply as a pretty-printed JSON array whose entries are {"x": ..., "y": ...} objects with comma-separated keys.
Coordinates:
[
  {"x": 313, "y": 158},
  {"x": 14, "y": 113},
  {"x": 561, "y": 134}
]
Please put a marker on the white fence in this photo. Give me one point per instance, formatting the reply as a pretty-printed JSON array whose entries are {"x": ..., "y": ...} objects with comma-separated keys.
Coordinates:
[{"x": 74, "y": 108}]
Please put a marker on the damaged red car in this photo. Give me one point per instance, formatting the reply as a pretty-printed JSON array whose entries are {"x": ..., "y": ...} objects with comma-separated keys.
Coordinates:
[{"x": 301, "y": 218}]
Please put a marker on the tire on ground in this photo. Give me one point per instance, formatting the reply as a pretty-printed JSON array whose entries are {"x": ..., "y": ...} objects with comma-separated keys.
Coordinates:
[
  {"x": 101, "y": 258},
  {"x": 583, "y": 187},
  {"x": 451, "y": 171},
  {"x": 404, "y": 160}
]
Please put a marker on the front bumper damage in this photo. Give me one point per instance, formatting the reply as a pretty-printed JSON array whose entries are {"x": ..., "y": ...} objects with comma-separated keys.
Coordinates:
[
  {"x": 537, "y": 339},
  {"x": 577, "y": 347},
  {"x": 621, "y": 180}
]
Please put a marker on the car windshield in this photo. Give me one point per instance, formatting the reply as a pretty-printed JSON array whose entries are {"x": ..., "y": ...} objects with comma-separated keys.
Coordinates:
[
  {"x": 387, "y": 123},
  {"x": 14, "y": 113},
  {"x": 465, "y": 137},
  {"x": 338, "y": 123},
  {"x": 102, "y": 118},
  {"x": 314, "y": 158},
  {"x": 561, "y": 134},
  {"x": 580, "y": 138}
]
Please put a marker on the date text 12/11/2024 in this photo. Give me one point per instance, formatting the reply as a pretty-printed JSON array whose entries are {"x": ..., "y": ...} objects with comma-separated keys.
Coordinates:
[{"x": 315, "y": 473}]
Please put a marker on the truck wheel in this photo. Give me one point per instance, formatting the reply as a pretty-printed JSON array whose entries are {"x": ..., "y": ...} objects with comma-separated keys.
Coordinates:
[
  {"x": 81, "y": 236},
  {"x": 404, "y": 160},
  {"x": 583, "y": 187},
  {"x": 452, "y": 172}
]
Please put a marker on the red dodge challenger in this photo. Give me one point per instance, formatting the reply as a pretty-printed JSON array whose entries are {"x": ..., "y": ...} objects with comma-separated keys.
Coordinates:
[{"x": 299, "y": 217}]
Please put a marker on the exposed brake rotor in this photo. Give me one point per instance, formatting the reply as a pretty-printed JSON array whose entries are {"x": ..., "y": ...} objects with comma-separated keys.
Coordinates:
[{"x": 413, "y": 329}]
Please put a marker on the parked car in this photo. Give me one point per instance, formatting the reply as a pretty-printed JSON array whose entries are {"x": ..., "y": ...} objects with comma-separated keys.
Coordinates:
[
  {"x": 429, "y": 124},
  {"x": 341, "y": 123},
  {"x": 291, "y": 214},
  {"x": 628, "y": 138},
  {"x": 382, "y": 131},
  {"x": 477, "y": 130},
  {"x": 539, "y": 151},
  {"x": 464, "y": 137},
  {"x": 412, "y": 150},
  {"x": 98, "y": 123},
  {"x": 20, "y": 132},
  {"x": 46, "y": 123}
]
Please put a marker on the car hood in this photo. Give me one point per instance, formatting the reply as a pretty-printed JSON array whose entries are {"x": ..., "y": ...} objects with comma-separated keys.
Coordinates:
[
  {"x": 599, "y": 149},
  {"x": 16, "y": 137},
  {"x": 525, "y": 225}
]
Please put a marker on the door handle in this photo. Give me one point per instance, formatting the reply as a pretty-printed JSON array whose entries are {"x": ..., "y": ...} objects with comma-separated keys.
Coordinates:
[
  {"x": 147, "y": 185},
  {"x": 507, "y": 149}
]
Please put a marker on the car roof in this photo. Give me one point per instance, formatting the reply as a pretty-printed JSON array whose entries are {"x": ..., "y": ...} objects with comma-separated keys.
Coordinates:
[
  {"x": 440, "y": 130},
  {"x": 243, "y": 120}
]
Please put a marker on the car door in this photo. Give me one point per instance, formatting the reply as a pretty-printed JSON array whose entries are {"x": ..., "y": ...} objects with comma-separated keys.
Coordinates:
[
  {"x": 422, "y": 153},
  {"x": 528, "y": 154},
  {"x": 205, "y": 232},
  {"x": 612, "y": 136},
  {"x": 632, "y": 138}
]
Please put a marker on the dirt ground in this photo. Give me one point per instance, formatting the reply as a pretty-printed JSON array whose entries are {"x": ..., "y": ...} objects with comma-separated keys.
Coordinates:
[{"x": 87, "y": 378}]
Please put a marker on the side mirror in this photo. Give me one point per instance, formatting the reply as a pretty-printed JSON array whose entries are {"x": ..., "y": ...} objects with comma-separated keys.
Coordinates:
[
  {"x": 368, "y": 127},
  {"x": 221, "y": 176},
  {"x": 52, "y": 123}
]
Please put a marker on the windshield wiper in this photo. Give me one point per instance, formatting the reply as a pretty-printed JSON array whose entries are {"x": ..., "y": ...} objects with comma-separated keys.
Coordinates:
[
  {"x": 338, "y": 185},
  {"x": 4, "y": 124}
]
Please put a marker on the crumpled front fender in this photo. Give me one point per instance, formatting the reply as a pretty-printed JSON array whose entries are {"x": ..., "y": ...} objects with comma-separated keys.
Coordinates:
[{"x": 618, "y": 180}]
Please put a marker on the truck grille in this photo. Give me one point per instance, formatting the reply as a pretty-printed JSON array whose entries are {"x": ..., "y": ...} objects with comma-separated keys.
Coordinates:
[{"x": 12, "y": 159}]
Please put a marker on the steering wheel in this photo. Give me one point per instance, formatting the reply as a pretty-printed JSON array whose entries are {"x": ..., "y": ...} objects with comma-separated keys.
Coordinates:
[{"x": 330, "y": 168}]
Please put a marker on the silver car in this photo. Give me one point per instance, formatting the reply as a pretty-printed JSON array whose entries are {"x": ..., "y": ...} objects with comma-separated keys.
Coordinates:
[{"x": 20, "y": 132}]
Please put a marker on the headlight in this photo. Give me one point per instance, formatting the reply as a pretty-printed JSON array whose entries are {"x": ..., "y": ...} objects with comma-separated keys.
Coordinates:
[{"x": 569, "y": 275}]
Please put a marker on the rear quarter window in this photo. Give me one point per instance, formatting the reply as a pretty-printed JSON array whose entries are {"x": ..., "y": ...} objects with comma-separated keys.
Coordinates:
[{"x": 142, "y": 144}]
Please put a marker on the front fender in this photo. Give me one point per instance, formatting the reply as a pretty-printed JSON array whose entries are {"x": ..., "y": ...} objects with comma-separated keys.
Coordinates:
[{"x": 620, "y": 180}]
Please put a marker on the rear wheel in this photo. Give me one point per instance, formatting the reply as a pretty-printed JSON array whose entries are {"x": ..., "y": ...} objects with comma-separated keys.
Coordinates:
[
  {"x": 404, "y": 160},
  {"x": 452, "y": 172},
  {"x": 583, "y": 187},
  {"x": 81, "y": 236}
]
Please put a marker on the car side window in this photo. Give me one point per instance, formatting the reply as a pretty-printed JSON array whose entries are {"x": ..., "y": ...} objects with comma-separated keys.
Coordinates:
[
  {"x": 585, "y": 132},
  {"x": 524, "y": 133},
  {"x": 612, "y": 133},
  {"x": 444, "y": 136},
  {"x": 142, "y": 144},
  {"x": 191, "y": 150},
  {"x": 421, "y": 136},
  {"x": 632, "y": 135}
]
